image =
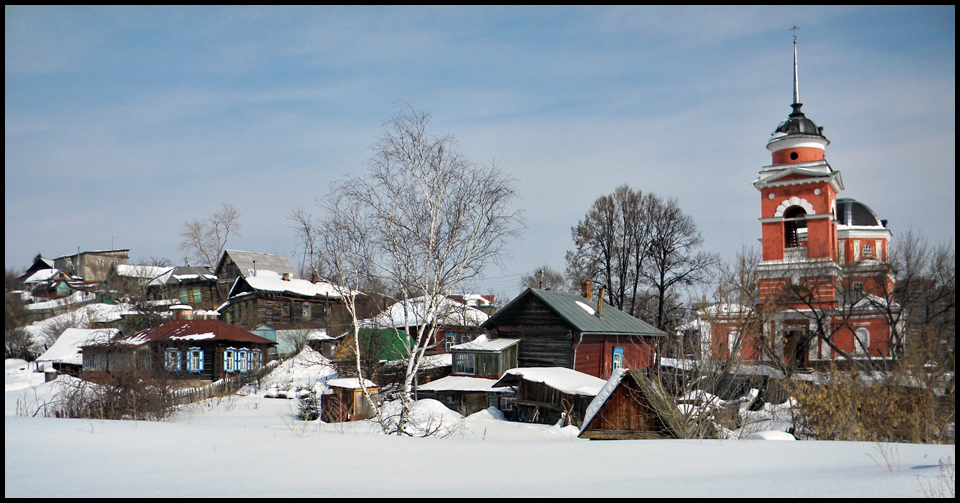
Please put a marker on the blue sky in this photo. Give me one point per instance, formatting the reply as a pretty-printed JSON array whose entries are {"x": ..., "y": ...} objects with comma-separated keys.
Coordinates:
[{"x": 122, "y": 123}]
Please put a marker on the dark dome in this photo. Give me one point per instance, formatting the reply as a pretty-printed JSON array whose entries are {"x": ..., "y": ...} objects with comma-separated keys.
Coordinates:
[
  {"x": 798, "y": 123},
  {"x": 854, "y": 213}
]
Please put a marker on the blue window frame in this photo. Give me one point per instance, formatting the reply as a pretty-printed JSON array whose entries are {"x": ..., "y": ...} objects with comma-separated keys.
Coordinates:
[
  {"x": 195, "y": 360},
  {"x": 617, "y": 358},
  {"x": 229, "y": 360},
  {"x": 242, "y": 360},
  {"x": 449, "y": 340}
]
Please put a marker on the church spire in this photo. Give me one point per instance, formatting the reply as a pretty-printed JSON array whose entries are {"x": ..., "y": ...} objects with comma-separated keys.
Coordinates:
[{"x": 796, "y": 81}]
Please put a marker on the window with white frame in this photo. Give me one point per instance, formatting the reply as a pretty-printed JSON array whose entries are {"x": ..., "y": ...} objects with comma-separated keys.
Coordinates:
[
  {"x": 171, "y": 360},
  {"x": 449, "y": 340},
  {"x": 229, "y": 360},
  {"x": 465, "y": 338},
  {"x": 242, "y": 360},
  {"x": 195, "y": 360},
  {"x": 733, "y": 342},
  {"x": 306, "y": 311},
  {"x": 867, "y": 250},
  {"x": 465, "y": 363},
  {"x": 253, "y": 360},
  {"x": 861, "y": 341}
]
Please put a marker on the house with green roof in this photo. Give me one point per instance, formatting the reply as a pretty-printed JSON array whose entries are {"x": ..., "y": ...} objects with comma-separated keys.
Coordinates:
[{"x": 558, "y": 329}]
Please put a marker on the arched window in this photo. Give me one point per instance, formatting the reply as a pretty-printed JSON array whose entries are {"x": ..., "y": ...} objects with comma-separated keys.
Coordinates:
[
  {"x": 861, "y": 341},
  {"x": 794, "y": 227}
]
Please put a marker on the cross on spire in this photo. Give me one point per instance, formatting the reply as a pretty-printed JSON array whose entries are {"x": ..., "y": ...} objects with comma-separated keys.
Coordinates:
[{"x": 796, "y": 80}]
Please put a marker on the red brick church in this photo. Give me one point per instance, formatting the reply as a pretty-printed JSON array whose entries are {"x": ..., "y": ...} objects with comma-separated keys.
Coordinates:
[{"x": 824, "y": 267}]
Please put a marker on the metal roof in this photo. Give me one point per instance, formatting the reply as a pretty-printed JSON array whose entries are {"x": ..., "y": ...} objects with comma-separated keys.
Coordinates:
[
  {"x": 265, "y": 261},
  {"x": 215, "y": 330},
  {"x": 581, "y": 313}
]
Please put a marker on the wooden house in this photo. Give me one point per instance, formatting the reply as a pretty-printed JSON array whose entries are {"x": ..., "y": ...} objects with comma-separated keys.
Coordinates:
[
  {"x": 623, "y": 409},
  {"x": 559, "y": 329},
  {"x": 548, "y": 394},
  {"x": 484, "y": 357},
  {"x": 269, "y": 298},
  {"x": 467, "y": 395},
  {"x": 193, "y": 285},
  {"x": 184, "y": 349},
  {"x": 65, "y": 354},
  {"x": 345, "y": 401},
  {"x": 289, "y": 336}
]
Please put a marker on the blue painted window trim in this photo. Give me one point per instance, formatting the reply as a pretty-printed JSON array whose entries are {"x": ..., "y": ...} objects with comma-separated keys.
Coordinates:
[
  {"x": 242, "y": 361},
  {"x": 229, "y": 360},
  {"x": 617, "y": 350},
  {"x": 190, "y": 367}
]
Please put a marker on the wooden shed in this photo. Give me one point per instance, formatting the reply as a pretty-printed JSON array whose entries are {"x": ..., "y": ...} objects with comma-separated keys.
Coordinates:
[
  {"x": 623, "y": 409},
  {"x": 467, "y": 395},
  {"x": 485, "y": 357},
  {"x": 345, "y": 401},
  {"x": 545, "y": 395}
]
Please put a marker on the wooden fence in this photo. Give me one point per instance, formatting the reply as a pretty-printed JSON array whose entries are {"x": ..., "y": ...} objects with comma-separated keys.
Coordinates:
[{"x": 222, "y": 387}]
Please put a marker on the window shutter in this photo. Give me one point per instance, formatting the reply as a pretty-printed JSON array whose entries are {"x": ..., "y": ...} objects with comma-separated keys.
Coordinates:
[{"x": 201, "y": 361}]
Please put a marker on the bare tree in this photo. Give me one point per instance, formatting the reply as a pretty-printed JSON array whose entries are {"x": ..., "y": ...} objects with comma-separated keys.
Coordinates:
[
  {"x": 205, "y": 239},
  {"x": 547, "y": 278},
  {"x": 307, "y": 228},
  {"x": 426, "y": 219}
]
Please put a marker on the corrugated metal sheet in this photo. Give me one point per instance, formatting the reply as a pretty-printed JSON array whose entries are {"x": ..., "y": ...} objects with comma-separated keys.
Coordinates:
[
  {"x": 265, "y": 261},
  {"x": 581, "y": 313}
]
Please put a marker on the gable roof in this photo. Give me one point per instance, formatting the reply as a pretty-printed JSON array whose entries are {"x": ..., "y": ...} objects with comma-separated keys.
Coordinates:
[
  {"x": 270, "y": 281},
  {"x": 483, "y": 343},
  {"x": 183, "y": 273},
  {"x": 66, "y": 349},
  {"x": 195, "y": 330},
  {"x": 265, "y": 262},
  {"x": 663, "y": 406},
  {"x": 582, "y": 315}
]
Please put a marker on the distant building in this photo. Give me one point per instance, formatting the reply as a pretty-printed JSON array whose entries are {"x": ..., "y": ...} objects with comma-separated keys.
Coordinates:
[{"x": 92, "y": 266}]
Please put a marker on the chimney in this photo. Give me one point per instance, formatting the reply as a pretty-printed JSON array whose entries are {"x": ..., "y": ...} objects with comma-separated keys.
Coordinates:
[
  {"x": 600, "y": 303},
  {"x": 313, "y": 277},
  {"x": 286, "y": 276},
  {"x": 586, "y": 287},
  {"x": 254, "y": 267}
]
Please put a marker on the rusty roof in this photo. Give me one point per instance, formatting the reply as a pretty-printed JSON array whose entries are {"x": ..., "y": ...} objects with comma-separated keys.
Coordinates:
[{"x": 196, "y": 330}]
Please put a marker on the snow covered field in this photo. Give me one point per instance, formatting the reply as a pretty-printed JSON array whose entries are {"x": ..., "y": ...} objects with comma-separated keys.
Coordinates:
[{"x": 253, "y": 446}]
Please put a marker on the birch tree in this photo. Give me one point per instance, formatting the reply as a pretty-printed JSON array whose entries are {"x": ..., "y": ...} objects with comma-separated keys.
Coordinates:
[{"x": 425, "y": 219}]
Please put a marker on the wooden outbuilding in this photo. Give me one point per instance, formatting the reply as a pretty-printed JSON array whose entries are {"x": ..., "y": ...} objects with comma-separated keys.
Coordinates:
[
  {"x": 546, "y": 395},
  {"x": 625, "y": 409},
  {"x": 345, "y": 401},
  {"x": 467, "y": 395},
  {"x": 485, "y": 357}
]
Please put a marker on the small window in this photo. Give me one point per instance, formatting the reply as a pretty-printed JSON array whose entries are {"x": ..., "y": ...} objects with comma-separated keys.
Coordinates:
[
  {"x": 465, "y": 338},
  {"x": 253, "y": 360},
  {"x": 242, "y": 360},
  {"x": 858, "y": 286},
  {"x": 867, "y": 251},
  {"x": 465, "y": 363},
  {"x": 183, "y": 296},
  {"x": 617, "y": 358},
  {"x": 195, "y": 360},
  {"x": 306, "y": 311},
  {"x": 196, "y": 295},
  {"x": 862, "y": 341},
  {"x": 229, "y": 357},
  {"x": 171, "y": 360},
  {"x": 733, "y": 342},
  {"x": 449, "y": 340}
]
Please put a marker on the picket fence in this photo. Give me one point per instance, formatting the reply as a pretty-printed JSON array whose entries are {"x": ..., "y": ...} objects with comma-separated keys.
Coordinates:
[{"x": 222, "y": 387}]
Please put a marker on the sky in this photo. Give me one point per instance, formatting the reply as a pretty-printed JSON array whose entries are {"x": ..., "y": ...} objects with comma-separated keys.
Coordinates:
[{"x": 122, "y": 123}]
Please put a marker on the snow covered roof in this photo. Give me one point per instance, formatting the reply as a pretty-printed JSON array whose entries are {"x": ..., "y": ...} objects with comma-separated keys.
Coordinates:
[
  {"x": 41, "y": 275},
  {"x": 67, "y": 347},
  {"x": 350, "y": 383},
  {"x": 271, "y": 281},
  {"x": 460, "y": 383},
  {"x": 141, "y": 271},
  {"x": 183, "y": 273},
  {"x": 413, "y": 312},
  {"x": 74, "y": 298},
  {"x": 601, "y": 398},
  {"x": 191, "y": 330},
  {"x": 752, "y": 368},
  {"x": 483, "y": 343},
  {"x": 563, "y": 379}
]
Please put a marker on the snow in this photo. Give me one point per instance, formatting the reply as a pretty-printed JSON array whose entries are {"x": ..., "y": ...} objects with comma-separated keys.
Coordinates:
[
  {"x": 194, "y": 337},
  {"x": 252, "y": 446},
  {"x": 615, "y": 377},
  {"x": 350, "y": 383},
  {"x": 272, "y": 282},
  {"x": 483, "y": 343},
  {"x": 462, "y": 383},
  {"x": 770, "y": 435},
  {"x": 585, "y": 307},
  {"x": 66, "y": 349},
  {"x": 412, "y": 312},
  {"x": 566, "y": 380},
  {"x": 142, "y": 271},
  {"x": 41, "y": 275},
  {"x": 73, "y": 298}
]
